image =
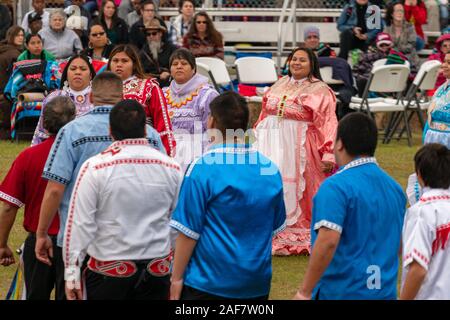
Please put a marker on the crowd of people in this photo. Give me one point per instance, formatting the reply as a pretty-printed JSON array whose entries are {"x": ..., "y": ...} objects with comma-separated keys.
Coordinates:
[{"x": 142, "y": 183}]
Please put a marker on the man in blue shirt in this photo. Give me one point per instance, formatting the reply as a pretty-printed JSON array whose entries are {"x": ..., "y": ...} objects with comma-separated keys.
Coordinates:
[
  {"x": 230, "y": 206},
  {"x": 77, "y": 141},
  {"x": 356, "y": 223}
]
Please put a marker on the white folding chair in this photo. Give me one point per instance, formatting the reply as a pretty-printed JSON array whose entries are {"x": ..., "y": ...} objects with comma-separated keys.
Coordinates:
[
  {"x": 204, "y": 70},
  {"x": 382, "y": 62},
  {"x": 256, "y": 70},
  {"x": 389, "y": 79},
  {"x": 414, "y": 100},
  {"x": 218, "y": 69}
]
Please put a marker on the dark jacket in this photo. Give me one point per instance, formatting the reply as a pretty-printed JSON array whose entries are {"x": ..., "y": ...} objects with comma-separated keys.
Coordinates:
[
  {"x": 118, "y": 34},
  {"x": 156, "y": 67},
  {"x": 362, "y": 69},
  {"x": 137, "y": 33},
  {"x": 348, "y": 20},
  {"x": 8, "y": 55},
  {"x": 105, "y": 54},
  {"x": 5, "y": 20}
]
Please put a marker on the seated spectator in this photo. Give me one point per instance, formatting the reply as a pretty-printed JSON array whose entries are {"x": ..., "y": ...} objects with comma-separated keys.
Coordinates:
[
  {"x": 203, "y": 40},
  {"x": 442, "y": 47},
  {"x": 155, "y": 54},
  {"x": 79, "y": 25},
  {"x": 137, "y": 31},
  {"x": 5, "y": 20},
  {"x": 126, "y": 7},
  {"x": 312, "y": 41},
  {"x": 10, "y": 49},
  {"x": 341, "y": 69},
  {"x": 416, "y": 13},
  {"x": 356, "y": 33},
  {"x": 134, "y": 15},
  {"x": 116, "y": 28},
  {"x": 34, "y": 49},
  {"x": 89, "y": 5},
  {"x": 79, "y": 19},
  {"x": 59, "y": 40},
  {"x": 443, "y": 13},
  {"x": 99, "y": 46},
  {"x": 38, "y": 7},
  {"x": 402, "y": 33},
  {"x": 180, "y": 25},
  {"x": 362, "y": 70},
  {"x": 34, "y": 23}
]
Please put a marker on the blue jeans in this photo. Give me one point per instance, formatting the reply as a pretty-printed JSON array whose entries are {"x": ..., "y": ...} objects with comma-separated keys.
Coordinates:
[
  {"x": 420, "y": 43},
  {"x": 90, "y": 5}
]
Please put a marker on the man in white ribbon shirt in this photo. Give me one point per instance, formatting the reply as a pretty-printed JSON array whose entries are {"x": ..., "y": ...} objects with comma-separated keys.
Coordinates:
[{"x": 119, "y": 215}]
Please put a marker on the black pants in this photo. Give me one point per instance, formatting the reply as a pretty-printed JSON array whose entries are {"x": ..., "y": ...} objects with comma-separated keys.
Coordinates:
[
  {"x": 190, "y": 293},
  {"x": 40, "y": 279},
  {"x": 140, "y": 286},
  {"x": 349, "y": 42}
]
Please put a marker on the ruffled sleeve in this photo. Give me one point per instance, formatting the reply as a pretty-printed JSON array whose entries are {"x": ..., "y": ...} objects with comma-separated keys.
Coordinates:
[
  {"x": 263, "y": 114},
  {"x": 322, "y": 103}
]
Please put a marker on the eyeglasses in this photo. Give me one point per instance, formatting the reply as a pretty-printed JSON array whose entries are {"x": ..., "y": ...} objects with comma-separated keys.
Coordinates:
[
  {"x": 201, "y": 22},
  {"x": 152, "y": 33},
  {"x": 99, "y": 34}
]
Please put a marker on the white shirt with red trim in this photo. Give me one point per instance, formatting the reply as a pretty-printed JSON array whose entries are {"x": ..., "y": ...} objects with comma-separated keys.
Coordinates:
[
  {"x": 426, "y": 236},
  {"x": 121, "y": 206}
]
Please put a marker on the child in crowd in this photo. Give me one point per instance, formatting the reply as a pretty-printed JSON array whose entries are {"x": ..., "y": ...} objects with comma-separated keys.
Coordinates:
[{"x": 426, "y": 254}]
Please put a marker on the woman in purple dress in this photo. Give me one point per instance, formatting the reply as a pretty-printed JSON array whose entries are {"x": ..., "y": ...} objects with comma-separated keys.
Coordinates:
[
  {"x": 76, "y": 84},
  {"x": 188, "y": 98}
]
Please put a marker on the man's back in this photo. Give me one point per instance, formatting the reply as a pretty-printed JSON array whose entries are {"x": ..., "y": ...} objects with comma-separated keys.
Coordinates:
[
  {"x": 24, "y": 185},
  {"x": 79, "y": 140},
  {"x": 232, "y": 203},
  {"x": 130, "y": 190},
  {"x": 367, "y": 207}
]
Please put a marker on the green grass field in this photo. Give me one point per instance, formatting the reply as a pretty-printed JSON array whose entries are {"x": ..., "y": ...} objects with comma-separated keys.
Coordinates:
[{"x": 396, "y": 158}]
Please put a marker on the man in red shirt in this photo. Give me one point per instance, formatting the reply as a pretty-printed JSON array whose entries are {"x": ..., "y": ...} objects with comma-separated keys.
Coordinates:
[{"x": 23, "y": 186}]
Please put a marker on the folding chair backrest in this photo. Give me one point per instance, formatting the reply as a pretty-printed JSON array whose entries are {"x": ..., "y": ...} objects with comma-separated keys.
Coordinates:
[
  {"x": 204, "y": 70},
  {"x": 427, "y": 75},
  {"x": 389, "y": 78},
  {"x": 218, "y": 69},
  {"x": 256, "y": 70},
  {"x": 327, "y": 76},
  {"x": 382, "y": 62},
  {"x": 378, "y": 63}
]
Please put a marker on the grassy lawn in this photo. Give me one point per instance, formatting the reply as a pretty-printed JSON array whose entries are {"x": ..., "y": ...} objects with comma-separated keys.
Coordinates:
[{"x": 396, "y": 158}]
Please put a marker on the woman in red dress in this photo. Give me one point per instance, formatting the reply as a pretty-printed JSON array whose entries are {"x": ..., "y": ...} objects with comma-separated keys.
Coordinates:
[{"x": 124, "y": 61}]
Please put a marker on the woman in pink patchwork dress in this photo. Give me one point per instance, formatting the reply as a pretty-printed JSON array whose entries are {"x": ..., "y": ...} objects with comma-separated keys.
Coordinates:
[{"x": 296, "y": 130}]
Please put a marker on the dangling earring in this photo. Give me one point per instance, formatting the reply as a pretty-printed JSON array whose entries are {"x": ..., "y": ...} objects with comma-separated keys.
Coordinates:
[
  {"x": 66, "y": 85},
  {"x": 108, "y": 42},
  {"x": 90, "y": 45}
]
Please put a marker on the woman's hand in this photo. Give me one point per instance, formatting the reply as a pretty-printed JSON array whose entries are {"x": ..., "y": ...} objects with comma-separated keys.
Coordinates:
[{"x": 327, "y": 166}]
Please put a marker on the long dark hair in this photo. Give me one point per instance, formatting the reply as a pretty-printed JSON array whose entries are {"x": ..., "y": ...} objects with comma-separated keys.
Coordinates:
[
  {"x": 12, "y": 33},
  {"x": 390, "y": 11},
  {"x": 66, "y": 68},
  {"x": 313, "y": 63},
  {"x": 101, "y": 15},
  {"x": 211, "y": 31},
  {"x": 131, "y": 52}
]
